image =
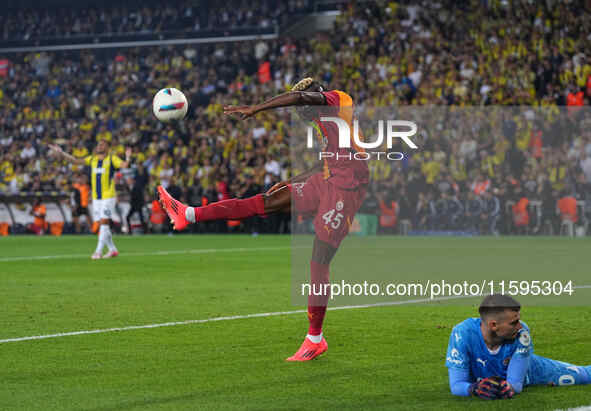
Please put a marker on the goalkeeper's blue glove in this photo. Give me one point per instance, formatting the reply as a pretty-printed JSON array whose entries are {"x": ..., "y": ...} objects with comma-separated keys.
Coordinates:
[{"x": 487, "y": 389}]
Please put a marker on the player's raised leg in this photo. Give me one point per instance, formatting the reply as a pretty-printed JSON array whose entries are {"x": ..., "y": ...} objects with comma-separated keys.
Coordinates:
[{"x": 182, "y": 215}]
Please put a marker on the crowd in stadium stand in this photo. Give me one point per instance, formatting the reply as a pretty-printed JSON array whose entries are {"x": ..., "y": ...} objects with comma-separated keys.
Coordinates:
[
  {"x": 484, "y": 54},
  {"x": 143, "y": 17}
]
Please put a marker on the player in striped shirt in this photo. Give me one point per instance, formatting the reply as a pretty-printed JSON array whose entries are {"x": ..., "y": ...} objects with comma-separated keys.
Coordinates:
[{"x": 103, "y": 166}]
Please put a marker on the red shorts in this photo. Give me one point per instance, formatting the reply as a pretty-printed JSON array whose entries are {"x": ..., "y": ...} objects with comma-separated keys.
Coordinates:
[{"x": 333, "y": 208}]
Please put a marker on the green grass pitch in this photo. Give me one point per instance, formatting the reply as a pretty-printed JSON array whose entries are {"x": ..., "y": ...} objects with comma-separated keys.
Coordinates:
[{"x": 389, "y": 357}]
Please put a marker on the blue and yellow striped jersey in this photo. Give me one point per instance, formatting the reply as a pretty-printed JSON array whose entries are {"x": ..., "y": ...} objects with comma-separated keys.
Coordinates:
[{"x": 102, "y": 175}]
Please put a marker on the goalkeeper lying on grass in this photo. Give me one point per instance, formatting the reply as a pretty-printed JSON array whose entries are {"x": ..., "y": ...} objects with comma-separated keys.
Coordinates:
[{"x": 492, "y": 356}]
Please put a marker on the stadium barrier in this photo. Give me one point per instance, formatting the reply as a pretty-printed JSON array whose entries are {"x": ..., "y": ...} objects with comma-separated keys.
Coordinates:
[
  {"x": 144, "y": 40},
  {"x": 15, "y": 213}
]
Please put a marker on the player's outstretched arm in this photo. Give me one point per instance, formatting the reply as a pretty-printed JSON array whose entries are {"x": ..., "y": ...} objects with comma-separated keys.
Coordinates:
[
  {"x": 459, "y": 381},
  {"x": 516, "y": 371},
  {"x": 292, "y": 98},
  {"x": 58, "y": 150}
]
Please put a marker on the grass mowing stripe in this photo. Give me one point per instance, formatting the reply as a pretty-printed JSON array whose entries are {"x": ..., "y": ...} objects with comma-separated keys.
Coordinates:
[
  {"x": 236, "y": 317},
  {"x": 194, "y": 251}
]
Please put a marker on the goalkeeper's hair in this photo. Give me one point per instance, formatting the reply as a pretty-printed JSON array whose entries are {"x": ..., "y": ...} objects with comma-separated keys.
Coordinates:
[
  {"x": 307, "y": 84},
  {"x": 495, "y": 304}
]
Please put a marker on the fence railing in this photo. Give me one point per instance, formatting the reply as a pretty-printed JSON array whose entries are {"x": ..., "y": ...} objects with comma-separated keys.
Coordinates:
[{"x": 120, "y": 40}]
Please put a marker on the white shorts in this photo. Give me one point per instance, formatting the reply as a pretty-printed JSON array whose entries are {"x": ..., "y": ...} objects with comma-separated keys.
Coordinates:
[{"x": 102, "y": 209}]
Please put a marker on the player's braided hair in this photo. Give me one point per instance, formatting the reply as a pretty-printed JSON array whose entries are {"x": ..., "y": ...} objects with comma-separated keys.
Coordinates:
[{"x": 307, "y": 83}]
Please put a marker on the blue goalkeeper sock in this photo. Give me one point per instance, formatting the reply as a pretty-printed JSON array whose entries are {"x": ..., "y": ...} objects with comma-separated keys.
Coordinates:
[{"x": 586, "y": 374}]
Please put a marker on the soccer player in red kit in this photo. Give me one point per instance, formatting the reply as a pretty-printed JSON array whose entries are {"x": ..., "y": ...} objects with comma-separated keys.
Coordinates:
[{"x": 332, "y": 191}]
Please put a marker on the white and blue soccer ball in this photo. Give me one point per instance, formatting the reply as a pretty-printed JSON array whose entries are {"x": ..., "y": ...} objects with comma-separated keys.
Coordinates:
[{"x": 170, "y": 104}]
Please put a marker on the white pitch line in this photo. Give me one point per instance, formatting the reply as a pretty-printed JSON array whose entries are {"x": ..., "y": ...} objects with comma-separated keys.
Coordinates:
[
  {"x": 208, "y": 320},
  {"x": 236, "y": 317},
  {"x": 583, "y": 408},
  {"x": 138, "y": 327},
  {"x": 64, "y": 256},
  {"x": 170, "y": 252}
]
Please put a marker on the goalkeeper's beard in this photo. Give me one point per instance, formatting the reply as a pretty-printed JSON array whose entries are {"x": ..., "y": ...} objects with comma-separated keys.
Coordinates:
[{"x": 503, "y": 340}]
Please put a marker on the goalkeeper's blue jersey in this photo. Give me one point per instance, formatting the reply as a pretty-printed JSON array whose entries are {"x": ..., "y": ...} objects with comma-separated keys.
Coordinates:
[{"x": 468, "y": 351}]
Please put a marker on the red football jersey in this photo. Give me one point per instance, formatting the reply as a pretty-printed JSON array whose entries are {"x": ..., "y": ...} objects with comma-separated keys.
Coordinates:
[{"x": 341, "y": 169}]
